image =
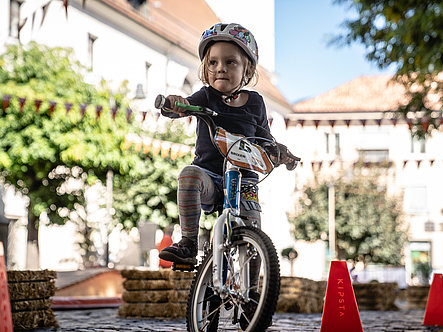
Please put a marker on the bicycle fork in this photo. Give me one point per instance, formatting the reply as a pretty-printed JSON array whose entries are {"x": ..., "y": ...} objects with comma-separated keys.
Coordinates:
[{"x": 222, "y": 226}]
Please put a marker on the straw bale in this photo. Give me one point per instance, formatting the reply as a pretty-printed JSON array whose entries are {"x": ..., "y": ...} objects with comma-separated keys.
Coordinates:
[
  {"x": 28, "y": 275},
  {"x": 156, "y": 296},
  {"x": 299, "y": 303},
  {"x": 26, "y": 320},
  {"x": 27, "y": 305},
  {"x": 160, "y": 275},
  {"x": 157, "y": 284},
  {"x": 152, "y": 310},
  {"x": 31, "y": 290}
]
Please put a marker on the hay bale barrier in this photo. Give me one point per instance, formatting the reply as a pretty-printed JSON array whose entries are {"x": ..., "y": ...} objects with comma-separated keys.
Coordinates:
[
  {"x": 417, "y": 296},
  {"x": 155, "y": 294},
  {"x": 30, "y": 293},
  {"x": 301, "y": 295},
  {"x": 376, "y": 296}
]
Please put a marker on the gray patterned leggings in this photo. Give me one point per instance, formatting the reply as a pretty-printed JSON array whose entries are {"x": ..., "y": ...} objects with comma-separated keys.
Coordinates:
[{"x": 201, "y": 189}]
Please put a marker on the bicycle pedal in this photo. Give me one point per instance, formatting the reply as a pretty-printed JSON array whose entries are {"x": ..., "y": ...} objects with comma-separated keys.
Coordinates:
[{"x": 183, "y": 267}]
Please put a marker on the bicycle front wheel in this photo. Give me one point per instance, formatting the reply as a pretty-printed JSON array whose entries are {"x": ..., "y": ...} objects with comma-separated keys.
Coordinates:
[{"x": 207, "y": 311}]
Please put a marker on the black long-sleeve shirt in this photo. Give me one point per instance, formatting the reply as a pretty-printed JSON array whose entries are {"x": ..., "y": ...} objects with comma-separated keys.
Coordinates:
[{"x": 248, "y": 120}]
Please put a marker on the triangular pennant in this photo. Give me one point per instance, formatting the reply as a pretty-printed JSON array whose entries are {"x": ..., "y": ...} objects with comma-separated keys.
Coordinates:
[
  {"x": 37, "y": 103},
  {"x": 22, "y": 102},
  {"x": 45, "y": 9},
  {"x": 52, "y": 105},
  {"x": 6, "y": 101}
]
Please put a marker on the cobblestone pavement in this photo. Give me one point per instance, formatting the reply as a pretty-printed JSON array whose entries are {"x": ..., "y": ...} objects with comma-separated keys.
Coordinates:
[{"x": 106, "y": 320}]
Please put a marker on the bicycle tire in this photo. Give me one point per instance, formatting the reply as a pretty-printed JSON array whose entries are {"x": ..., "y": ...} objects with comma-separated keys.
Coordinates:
[{"x": 202, "y": 296}]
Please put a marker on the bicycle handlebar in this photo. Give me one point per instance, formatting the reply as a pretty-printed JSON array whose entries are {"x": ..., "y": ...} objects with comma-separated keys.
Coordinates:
[{"x": 161, "y": 102}]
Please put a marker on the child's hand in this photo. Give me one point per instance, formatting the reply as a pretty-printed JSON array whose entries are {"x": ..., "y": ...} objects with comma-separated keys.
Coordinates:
[
  {"x": 176, "y": 109},
  {"x": 285, "y": 156}
]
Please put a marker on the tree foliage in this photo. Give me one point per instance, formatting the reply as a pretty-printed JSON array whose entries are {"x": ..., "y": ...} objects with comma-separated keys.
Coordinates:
[
  {"x": 368, "y": 223},
  {"x": 149, "y": 193},
  {"x": 409, "y": 35},
  {"x": 40, "y": 151}
]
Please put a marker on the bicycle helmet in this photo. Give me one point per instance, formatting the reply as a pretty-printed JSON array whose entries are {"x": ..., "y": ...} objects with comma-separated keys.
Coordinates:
[{"x": 232, "y": 32}]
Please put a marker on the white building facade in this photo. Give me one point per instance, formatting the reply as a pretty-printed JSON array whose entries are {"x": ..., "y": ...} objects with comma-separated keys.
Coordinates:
[
  {"x": 153, "y": 46},
  {"x": 355, "y": 123}
]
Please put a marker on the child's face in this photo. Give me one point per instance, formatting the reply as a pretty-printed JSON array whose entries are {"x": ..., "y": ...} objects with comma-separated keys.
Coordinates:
[{"x": 226, "y": 66}]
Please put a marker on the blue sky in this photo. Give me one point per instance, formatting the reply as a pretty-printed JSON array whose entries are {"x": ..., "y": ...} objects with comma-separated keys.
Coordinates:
[{"x": 305, "y": 65}]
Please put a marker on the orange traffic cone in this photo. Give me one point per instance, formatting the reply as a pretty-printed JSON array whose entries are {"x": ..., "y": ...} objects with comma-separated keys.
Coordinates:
[
  {"x": 434, "y": 306},
  {"x": 340, "y": 312},
  {"x": 5, "y": 305}
]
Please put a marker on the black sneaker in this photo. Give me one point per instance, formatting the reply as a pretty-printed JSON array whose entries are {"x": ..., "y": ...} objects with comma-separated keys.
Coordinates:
[
  {"x": 249, "y": 309},
  {"x": 183, "y": 252}
]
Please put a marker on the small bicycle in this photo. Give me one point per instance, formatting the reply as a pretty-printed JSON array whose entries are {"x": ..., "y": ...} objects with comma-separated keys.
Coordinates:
[{"x": 222, "y": 297}]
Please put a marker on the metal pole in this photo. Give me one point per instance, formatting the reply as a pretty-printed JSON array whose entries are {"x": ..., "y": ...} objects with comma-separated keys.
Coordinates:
[
  {"x": 109, "y": 188},
  {"x": 331, "y": 214}
]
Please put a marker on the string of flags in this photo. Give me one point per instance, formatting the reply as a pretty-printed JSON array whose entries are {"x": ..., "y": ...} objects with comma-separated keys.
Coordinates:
[
  {"x": 318, "y": 165},
  {"x": 156, "y": 146},
  {"x": 424, "y": 121},
  {"x": 22, "y": 101}
]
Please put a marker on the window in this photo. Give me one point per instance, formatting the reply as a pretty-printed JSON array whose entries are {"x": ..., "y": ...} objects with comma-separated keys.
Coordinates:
[
  {"x": 332, "y": 143},
  {"x": 14, "y": 18},
  {"x": 415, "y": 200},
  {"x": 373, "y": 155},
  {"x": 429, "y": 226},
  {"x": 91, "y": 41},
  {"x": 418, "y": 145}
]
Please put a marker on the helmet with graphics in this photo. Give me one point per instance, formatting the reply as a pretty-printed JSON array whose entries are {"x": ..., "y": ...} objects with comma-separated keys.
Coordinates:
[{"x": 232, "y": 32}]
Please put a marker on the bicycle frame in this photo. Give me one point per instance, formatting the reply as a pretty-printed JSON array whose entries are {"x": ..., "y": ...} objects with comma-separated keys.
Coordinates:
[{"x": 228, "y": 218}]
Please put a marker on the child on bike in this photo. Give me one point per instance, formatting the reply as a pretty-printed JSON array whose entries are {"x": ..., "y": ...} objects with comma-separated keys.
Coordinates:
[{"x": 229, "y": 55}]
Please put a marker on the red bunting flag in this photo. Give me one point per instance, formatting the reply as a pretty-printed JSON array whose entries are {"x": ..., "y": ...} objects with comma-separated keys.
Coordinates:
[
  {"x": 286, "y": 122},
  {"x": 65, "y": 4},
  {"x": 52, "y": 105},
  {"x": 348, "y": 122},
  {"x": 332, "y": 123},
  {"x": 316, "y": 123},
  {"x": 114, "y": 110},
  {"x": 6, "y": 101},
  {"x": 301, "y": 122},
  {"x": 425, "y": 123},
  {"x": 409, "y": 122},
  {"x": 37, "y": 103},
  {"x": 128, "y": 114},
  {"x": 98, "y": 110},
  {"x": 270, "y": 121},
  {"x": 378, "y": 122},
  {"x": 45, "y": 9},
  {"x": 394, "y": 121},
  {"x": 144, "y": 115},
  {"x": 83, "y": 109},
  {"x": 363, "y": 122},
  {"x": 21, "y": 101},
  {"x": 68, "y": 107}
]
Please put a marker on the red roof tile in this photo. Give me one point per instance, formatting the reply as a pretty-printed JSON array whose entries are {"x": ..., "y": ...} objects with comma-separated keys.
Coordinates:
[
  {"x": 365, "y": 93},
  {"x": 182, "y": 23}
]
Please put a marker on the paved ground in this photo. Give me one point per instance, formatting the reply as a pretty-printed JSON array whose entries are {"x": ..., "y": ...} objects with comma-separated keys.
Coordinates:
[{"x": 106, "y": 320}]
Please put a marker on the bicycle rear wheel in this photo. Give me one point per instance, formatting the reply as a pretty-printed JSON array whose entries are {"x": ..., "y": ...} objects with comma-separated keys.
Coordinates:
[{"x": 206, "y": 311}]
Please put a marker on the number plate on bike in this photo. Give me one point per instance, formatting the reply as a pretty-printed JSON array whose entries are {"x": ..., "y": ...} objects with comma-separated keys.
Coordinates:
[{"x": 242, "y": 153}]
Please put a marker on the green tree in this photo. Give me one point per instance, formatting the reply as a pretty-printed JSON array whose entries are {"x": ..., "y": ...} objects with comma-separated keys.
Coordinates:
[
  {"x": 149, "y": 193},
  {"x": 43, "y": 148},
  {"x": 409, "y": 35},
  {"x": 368, "y": 222}
]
